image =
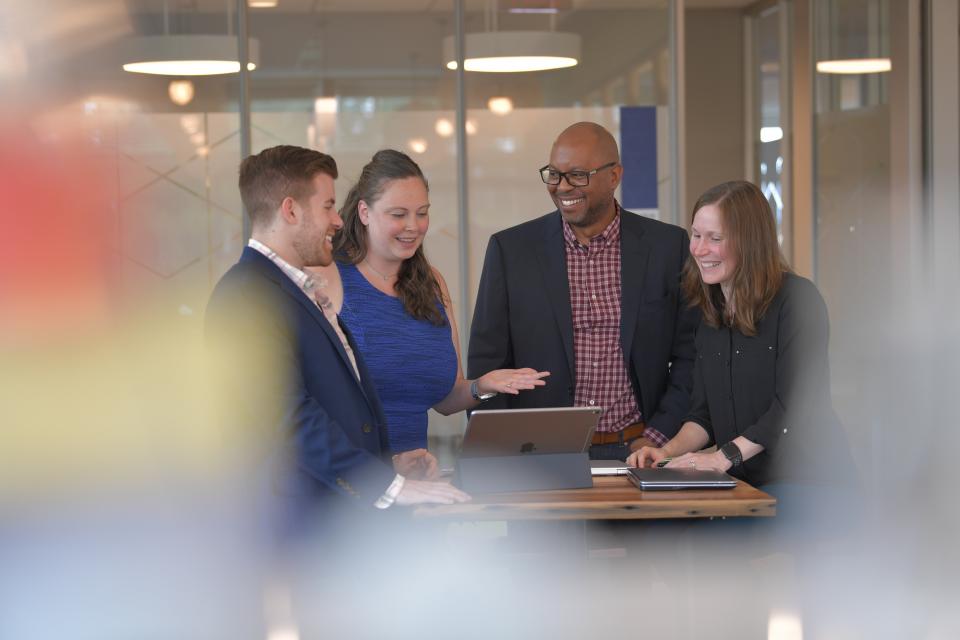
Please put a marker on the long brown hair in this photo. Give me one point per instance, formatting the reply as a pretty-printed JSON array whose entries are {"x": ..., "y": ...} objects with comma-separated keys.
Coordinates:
[
  {"x": 417, "y": 288},
  {"x": 751, "y": 232}
]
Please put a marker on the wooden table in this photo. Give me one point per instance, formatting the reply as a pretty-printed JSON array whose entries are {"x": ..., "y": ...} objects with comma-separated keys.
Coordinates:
[{"x": 610, "y": 498}]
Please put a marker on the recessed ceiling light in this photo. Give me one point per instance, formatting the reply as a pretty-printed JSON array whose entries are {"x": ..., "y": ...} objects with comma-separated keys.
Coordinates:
[
  {"x": 500, "y": 105},
  {"x": 180, "y": 92},
  {"x": 326, "y": 104},
  {"x": 417, "y": 145},
  {"x": 443, "y": 127}
]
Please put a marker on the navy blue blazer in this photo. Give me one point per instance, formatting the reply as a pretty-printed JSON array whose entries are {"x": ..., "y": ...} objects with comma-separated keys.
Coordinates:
[
  {"x": 291, "y": 390},
  {"x": 523, "y": 316}
]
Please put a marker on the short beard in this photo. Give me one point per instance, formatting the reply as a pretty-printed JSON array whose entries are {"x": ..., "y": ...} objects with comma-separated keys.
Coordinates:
[
  {"x": 311, "y": 252},
  {"x": 594, "y": 212}
]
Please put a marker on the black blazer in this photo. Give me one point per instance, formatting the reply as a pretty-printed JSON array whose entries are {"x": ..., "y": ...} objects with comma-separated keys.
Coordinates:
[
  {"x": 291, "y": 388},
  {"x": 523, "y": 316},
  {"x": 774, "y": 389}
]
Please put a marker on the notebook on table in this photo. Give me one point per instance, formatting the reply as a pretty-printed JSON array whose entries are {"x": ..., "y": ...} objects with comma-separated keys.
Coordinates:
[
  {"x": 677, "y": 479},
  {"x": 608, "y": 467}
]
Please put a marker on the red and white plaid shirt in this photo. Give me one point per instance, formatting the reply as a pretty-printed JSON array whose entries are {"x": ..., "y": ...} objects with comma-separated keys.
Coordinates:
[{"x": 593, "y": 272}]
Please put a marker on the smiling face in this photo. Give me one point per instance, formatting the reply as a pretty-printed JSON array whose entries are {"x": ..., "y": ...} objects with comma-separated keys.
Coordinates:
[
  {"x": 590, "y": 208},
  {"x": 397, "y": 221},
  {"x": 313, "y": 239},
  {"x": 711, "y": 247}
]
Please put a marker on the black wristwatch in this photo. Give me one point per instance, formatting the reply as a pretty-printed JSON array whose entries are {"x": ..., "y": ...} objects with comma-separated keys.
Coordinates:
[
  {"x": 475, "y": 392},
  {"x": 732, "y": 453}
]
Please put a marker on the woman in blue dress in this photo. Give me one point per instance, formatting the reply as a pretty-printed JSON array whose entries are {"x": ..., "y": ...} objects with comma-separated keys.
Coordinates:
[{"x": 397, "y": 305}]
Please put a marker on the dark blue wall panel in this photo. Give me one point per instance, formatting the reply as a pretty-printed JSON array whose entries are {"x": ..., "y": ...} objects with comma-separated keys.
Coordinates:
[{"x": 638, "y": 153}]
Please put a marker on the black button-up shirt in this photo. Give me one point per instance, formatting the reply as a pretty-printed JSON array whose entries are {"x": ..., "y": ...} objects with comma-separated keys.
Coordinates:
[{"x": 772, "y": 388}]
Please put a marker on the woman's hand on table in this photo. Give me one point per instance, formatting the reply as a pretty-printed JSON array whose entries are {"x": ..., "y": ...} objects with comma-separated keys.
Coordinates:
[
  {"x": 646, "y": 457},
  {"x": 715, "y": 460}
]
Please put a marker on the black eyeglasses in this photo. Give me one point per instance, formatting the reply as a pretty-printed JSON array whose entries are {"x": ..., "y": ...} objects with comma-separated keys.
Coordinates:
[{"x": 574, "y": 178}]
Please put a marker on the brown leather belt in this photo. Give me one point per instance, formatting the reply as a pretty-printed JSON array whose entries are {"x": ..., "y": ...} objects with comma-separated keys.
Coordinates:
[{"x": 627, "y": 434}]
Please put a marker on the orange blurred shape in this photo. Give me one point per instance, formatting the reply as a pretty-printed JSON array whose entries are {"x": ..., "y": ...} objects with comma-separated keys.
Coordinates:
[{"x": 55, "y": 209}]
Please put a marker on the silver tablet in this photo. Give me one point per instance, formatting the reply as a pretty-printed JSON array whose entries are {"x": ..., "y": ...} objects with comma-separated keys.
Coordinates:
[{"x": 507, "y": 432}]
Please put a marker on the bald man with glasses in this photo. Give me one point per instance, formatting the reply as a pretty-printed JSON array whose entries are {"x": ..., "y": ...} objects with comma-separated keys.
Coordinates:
[{"x": 590, "y": 293}]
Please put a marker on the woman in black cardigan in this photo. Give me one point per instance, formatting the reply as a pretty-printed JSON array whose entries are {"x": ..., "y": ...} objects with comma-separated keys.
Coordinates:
[{"x": 761, "y": 381}]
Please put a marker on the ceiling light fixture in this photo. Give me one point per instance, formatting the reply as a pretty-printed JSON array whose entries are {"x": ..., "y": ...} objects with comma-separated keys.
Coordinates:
[
  {"x": 855, "y": 65},
  {"x": 417, "y": 145},
  {"x": 443, "y": 127},
  {"x": 515, "y": 51},
  {"x": 500, "y": 105},
  {"x": 548, "y": 7},
  {"x": 181, "y": 92},
  {"x": 187, "y": 55},
  {"x": 770, "y": 134},
  {"x": 853, "y": 41},
  {"x": 326, "y": 104},
  {"x": 261, "y": 4}
]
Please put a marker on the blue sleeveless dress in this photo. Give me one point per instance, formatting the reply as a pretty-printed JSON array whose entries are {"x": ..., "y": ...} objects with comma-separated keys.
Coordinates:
[{"x": 412, "y": 362}]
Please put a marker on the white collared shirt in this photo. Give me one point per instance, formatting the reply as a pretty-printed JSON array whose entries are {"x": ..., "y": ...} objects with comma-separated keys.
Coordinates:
[{"x": 313, "y": 288}]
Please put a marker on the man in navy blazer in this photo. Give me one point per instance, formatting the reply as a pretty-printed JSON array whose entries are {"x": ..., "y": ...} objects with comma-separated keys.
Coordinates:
[
  {"x": 590, "y": 293},
  {"x": 296, "y": 386}
]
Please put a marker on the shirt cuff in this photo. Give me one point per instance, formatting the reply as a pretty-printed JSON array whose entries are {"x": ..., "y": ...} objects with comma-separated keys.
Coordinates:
[
  {"x": 390, "y": 495},
  {"x": 655, "y": 436}
]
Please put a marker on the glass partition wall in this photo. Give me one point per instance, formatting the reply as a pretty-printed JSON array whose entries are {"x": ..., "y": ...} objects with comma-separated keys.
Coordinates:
[
  {"x": 512, "y": 118},
  {"x": 769, "y": 160},
  {"x": 876, "y": 241},
  {"x": 352, "y": 79},
  {"x": 854, "y": 220},
  {"x": 348, "y": 79}
]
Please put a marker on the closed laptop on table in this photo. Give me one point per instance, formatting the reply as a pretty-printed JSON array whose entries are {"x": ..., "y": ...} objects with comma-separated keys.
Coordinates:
[{"x": 678, "y": 479}]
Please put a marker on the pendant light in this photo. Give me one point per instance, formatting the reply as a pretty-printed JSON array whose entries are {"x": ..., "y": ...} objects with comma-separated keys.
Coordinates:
[
  {"x": 856, "y": 42},
  {"x": 187, "y": 54},
  {"x": 494, "y": 51}
]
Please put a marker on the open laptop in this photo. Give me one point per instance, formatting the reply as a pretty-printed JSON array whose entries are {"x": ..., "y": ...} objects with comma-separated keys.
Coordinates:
[
  {"x": 506, "y": 450},
  {"x": 509, "y": 432},
  {"x": 677, "y": 479}
]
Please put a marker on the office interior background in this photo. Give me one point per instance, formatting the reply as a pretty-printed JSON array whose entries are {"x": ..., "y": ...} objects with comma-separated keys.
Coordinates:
[{"x": 860, "y": 168}]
